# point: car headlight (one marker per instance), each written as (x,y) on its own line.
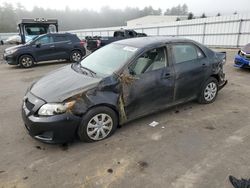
(8,52)
(51,109)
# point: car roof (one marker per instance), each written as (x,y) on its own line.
(61,34)
(57,34)
(142,42)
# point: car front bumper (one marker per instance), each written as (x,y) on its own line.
(51,129)
(10,59)
(241,62)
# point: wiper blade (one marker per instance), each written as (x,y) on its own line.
(92,72)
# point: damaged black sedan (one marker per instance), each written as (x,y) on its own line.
(120,82)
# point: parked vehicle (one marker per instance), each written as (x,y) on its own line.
(242,59)
(98,42)
(120,82)
(15,39)
(31,28)
(52,46)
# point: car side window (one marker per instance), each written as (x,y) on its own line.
(61,39)
(130,34)
(186,52)
(149,61)
(45,40)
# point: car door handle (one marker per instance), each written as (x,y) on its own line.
(166,76)
(52,46)
(204,65)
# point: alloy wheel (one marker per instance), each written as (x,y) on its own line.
(76,56)
(210,91)
(26,62)
(99,127)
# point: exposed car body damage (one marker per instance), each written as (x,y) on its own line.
(51,91)
(130,95)
(109,92)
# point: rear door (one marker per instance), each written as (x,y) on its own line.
(190,65)
(149,85)
(63,46)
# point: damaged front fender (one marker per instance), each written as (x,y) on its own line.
(107,93)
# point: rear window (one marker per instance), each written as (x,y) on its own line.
(35,30)
(74,38)
(119,34)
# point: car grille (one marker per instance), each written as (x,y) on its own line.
(29,105)
(238,63)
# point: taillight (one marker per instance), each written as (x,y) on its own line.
(82,42)
(98,43)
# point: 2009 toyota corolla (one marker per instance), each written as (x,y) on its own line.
(118,83)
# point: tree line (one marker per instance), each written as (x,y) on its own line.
(70,19)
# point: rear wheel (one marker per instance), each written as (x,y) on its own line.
(97,124)
(26,61)
(209,91)
(75,56)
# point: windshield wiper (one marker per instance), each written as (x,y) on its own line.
(92,72)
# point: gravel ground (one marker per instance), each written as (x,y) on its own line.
(194,146)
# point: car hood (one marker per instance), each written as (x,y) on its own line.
(16,47)
(246,49)
(62,84)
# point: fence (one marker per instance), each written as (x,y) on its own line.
(221,31)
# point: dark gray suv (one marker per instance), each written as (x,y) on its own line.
(51,46)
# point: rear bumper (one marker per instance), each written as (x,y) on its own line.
(221,85)
(241,62)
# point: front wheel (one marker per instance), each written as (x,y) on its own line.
(26,61)
(209,91)
(97,124)
(75,56)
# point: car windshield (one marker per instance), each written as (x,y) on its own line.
(108,59)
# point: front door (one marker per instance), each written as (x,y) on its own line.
(44,48)
(149,85)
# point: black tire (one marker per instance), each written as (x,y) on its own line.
(207,96)
(26,61)
(75,56)
(85,129)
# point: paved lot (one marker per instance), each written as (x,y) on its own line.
(194,146)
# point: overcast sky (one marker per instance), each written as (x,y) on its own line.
(195,6)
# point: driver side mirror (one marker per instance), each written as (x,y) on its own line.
(131,71)
(38,45)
